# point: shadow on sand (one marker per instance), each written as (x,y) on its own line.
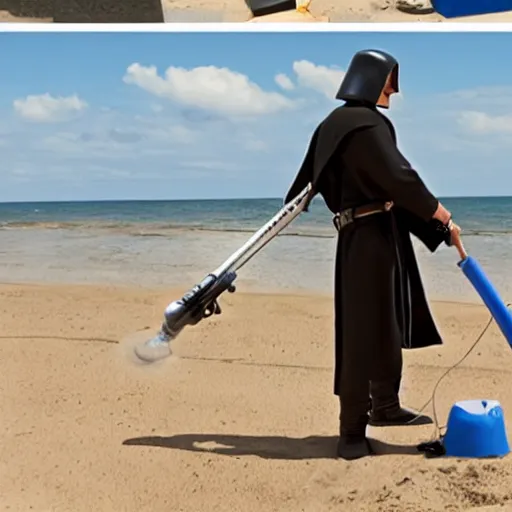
(62,338)
(108,11)
(266,447)
(87,11)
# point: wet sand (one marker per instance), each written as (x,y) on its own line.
(241,418)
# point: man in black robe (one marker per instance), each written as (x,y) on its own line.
(378,201)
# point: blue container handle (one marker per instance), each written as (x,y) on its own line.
(474,272)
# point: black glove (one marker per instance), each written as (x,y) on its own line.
(444,230)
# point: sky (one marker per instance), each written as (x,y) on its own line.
(98,116)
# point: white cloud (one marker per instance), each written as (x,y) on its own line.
(256,145)
(165,132)
(60,142)
(284,82)
(182,134)
(489,96)
(325,80)
(46,108)
(208,165)
(80,145)
(483,123)
(210,88)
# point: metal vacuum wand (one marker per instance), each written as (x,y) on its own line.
(198,303)
(202,300)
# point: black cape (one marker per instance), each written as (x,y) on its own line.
(380,303)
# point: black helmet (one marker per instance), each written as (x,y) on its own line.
(366,76)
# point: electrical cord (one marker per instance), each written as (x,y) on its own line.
(437,432)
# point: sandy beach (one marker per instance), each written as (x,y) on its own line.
(353,11)
(240,418)
(214,11)
(7,17)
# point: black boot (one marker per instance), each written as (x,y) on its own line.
(398,418)
(353,443)
(353,448)
(386,409)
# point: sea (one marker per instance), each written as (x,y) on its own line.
(174,244)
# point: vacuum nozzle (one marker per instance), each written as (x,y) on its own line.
(198,303)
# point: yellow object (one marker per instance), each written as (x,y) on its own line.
(302,5)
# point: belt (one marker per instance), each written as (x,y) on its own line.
(345,217)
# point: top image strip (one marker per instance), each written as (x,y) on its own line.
(254,11)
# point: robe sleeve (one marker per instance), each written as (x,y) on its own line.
(306,171)
(379,162)
(423,231)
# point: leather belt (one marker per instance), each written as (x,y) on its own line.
(345,217)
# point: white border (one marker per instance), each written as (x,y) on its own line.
(417,27)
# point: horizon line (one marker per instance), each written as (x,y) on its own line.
(47,201)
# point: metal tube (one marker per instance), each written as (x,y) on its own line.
(266,233)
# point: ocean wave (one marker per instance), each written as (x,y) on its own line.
(148,229)
(58,225)
(305,233)
(151,229)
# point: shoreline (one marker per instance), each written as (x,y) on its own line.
(300,266)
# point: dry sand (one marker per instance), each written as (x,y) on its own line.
(241,418)
(376,11)
(7,17)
